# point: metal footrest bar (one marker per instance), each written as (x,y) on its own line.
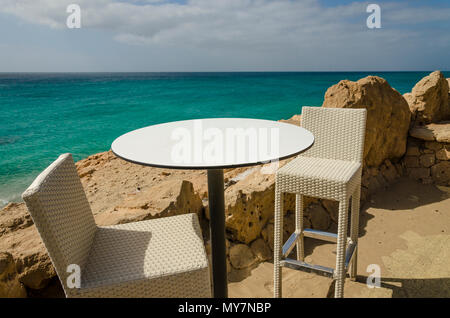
(320,235)
(306,267)
(290,243)
(315,234)
(349,253)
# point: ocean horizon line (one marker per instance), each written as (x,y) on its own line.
(206,72)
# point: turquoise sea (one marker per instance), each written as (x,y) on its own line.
(44,115)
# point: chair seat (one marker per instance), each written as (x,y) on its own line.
(156,258)
(319,177)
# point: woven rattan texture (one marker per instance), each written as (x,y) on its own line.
(338,132)
(330,169)
(59,208)
(156,258)
(149,251)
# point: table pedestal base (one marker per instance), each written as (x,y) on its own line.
(217,232)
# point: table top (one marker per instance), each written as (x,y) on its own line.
(215,143)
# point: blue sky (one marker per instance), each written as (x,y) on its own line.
(223,35)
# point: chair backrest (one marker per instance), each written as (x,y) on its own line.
(338,132)
(61,212)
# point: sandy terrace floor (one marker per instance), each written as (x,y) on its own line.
(405,230)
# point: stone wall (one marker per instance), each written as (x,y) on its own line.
(428,148)
(428,161)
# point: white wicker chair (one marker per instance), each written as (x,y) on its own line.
(156,258)
(330,169)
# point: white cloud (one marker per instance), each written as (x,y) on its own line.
(272,28)
(198,22)
(215,22)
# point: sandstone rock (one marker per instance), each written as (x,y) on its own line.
(418,173)
(332,208)
(412,162)
(382,181)
(427,180)
(364,194)
(208,247)
(250,205)
(34,267)
(400,168)
(267,234)
(448,82)
(374,185)
(428,100)
(444,153)
(427,160)
(110,183)
(288,225)
(241,256)
(435,146)
(412,150)
(295,120)
(389,171)
(440,173)
(168,198)
(388,115)
(13,217)
(229,267)
(261,250)
(365,180)
(320,219)
(10,287)
(433,132)
(422,132)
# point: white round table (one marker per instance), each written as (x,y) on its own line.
(213,144)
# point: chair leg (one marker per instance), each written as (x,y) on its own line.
(299,226)
(355,231)
(278,236)
(340,252)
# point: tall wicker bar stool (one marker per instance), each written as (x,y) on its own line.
(330,169)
